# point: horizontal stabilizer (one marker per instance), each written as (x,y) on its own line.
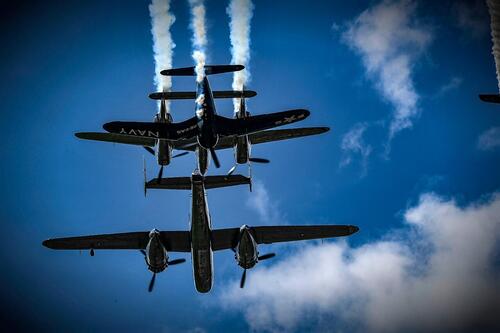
(192,94)
(184,183)
(490,98)
(209,70)
(116,138)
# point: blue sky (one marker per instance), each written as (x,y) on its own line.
(72,66)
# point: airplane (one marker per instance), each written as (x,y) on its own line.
(207,127)
(490,98)
(201,240)
(162,149)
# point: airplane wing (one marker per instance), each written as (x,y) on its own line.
(284,134)
(116,138)
(174,241)
(171,131)
(490,98)
(228,238)
(226,142)
(242,126)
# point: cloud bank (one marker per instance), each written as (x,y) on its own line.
(437,275)
(389,39)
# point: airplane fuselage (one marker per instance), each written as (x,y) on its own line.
(201,248)
(205,112)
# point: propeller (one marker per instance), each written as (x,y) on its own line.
(267,256)
(160,175)
(152,283)
(150,150)
(180,154)
(259,160)
(215,158)
(176,262)
(230,172)
(243,278)
(145,177)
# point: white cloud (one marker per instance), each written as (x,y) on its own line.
(389,39)
(260,201)
(438,274)
(454,83)
(489,139)
(353,143)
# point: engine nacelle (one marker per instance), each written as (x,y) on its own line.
(246,253)
(156,254)
(242,150)
(163,152)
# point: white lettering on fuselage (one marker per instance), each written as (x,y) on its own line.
(138,132)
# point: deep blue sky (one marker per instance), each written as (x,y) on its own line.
(70,66)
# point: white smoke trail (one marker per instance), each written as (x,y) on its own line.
(163,45)
(494,9)
(240,12)
(199,36)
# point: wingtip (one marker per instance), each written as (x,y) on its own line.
(353,229)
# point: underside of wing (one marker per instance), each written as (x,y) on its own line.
(242,126)
(275,234)
(224,142)
(168,131)
(176,241)
(285,134)
(128,240)
(116,138)
(223,239)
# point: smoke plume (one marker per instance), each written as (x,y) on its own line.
(240,12)
(199,36)
(163,45)
(494,9)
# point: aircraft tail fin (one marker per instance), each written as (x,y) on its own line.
(192,94)
(490,98)
(209,70)
(184,183)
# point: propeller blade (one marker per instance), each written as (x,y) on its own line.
(215,158)
(180,154)
(150,150)
(230,172)
(160,174)
(152,283)
(267,256)
(243,278)
(259,160)
(176,262)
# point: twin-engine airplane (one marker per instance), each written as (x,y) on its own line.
(206,131)
(201,240)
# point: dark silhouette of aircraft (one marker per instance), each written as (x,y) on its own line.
(201,240)
(207,127)
(207,131)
